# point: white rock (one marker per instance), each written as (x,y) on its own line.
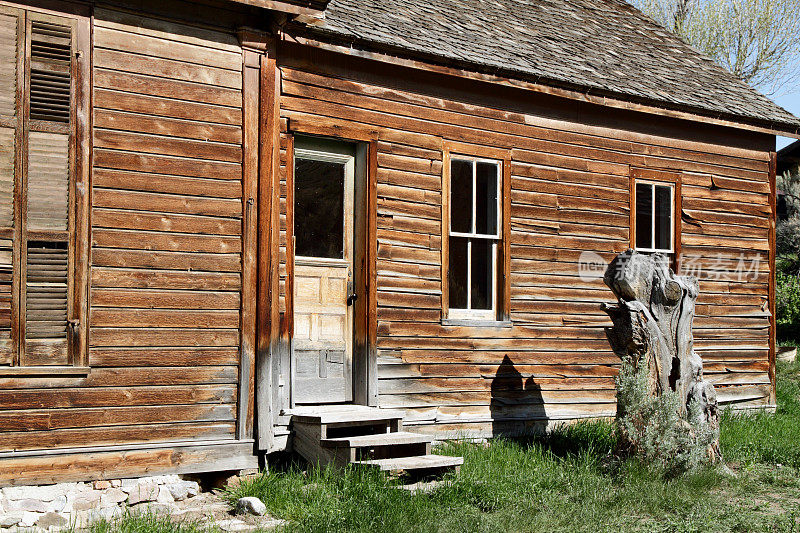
(129,484)
(11,519)
(46,493)
(234,524)
(184,489)
(113,496)
(194,488)
(169,478)
(142,493)
(57,505)
(29,518)
(84,518)
(116,482)
(178,491)
(164,495)
(83,501)
(159,480)
(251,505)
(28,504)
(53,520)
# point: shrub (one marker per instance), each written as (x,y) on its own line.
(652,427)
(787,298)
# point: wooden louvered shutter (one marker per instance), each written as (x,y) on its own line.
(11,41)
(46,293)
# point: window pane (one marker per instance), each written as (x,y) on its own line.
(457,273)
(319,209)
(663,217)
(461,196)
(486,199)
(644,214)
(482,286)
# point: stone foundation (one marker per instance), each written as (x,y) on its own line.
(77,504)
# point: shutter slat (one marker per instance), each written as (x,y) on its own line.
(46,303)
(48,181)
(6,275)
(8,65)
(51,57)
(7,177)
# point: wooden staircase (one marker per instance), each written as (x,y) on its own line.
(368,436)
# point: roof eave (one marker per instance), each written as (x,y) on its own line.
(407,58)
(314,8)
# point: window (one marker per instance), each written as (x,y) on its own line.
(654,224)
(474,237)
(319,204)
(39,217)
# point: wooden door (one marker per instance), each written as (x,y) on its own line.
(322,346)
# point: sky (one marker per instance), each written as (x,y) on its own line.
(791,103)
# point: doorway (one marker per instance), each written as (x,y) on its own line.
(325,176)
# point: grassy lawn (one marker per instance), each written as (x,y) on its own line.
(568,481)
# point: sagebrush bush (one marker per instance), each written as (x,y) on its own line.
(652,427)
(787,298)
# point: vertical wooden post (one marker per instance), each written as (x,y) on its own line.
(83,164)
(445,232)
(268,257)
(251,87)
(504,299)
(773,167)
(372,273)
(678,222)
(287,324)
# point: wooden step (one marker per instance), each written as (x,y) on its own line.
(418,462)
(398,438)
(342,414)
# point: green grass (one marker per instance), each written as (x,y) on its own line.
(510,486)
(569,480)
(132,522)
(763,437)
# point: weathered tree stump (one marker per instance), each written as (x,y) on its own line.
(653,326)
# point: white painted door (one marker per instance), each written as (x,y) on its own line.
(323,273)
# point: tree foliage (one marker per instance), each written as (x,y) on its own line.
(787,244)
(756,40)
(787,235)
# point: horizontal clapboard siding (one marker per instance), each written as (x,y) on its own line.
(166,248)
(166,222)
(569,194)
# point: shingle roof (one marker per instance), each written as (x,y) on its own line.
(603,45)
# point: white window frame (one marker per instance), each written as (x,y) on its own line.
(652,248)
(496,238)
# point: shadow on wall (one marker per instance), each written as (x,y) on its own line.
(516,407)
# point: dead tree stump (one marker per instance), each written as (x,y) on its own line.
(653,326)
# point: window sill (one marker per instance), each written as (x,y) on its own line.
(44,371)
(476,322)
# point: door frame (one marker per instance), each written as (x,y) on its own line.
(364,344)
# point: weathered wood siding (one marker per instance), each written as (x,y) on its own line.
(166,246)
(570,194)
(166,219)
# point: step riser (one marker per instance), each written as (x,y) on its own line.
(333,431)
(390,451)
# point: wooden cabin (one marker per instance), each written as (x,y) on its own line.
(215,214)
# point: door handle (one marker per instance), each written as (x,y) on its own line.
(352,297)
